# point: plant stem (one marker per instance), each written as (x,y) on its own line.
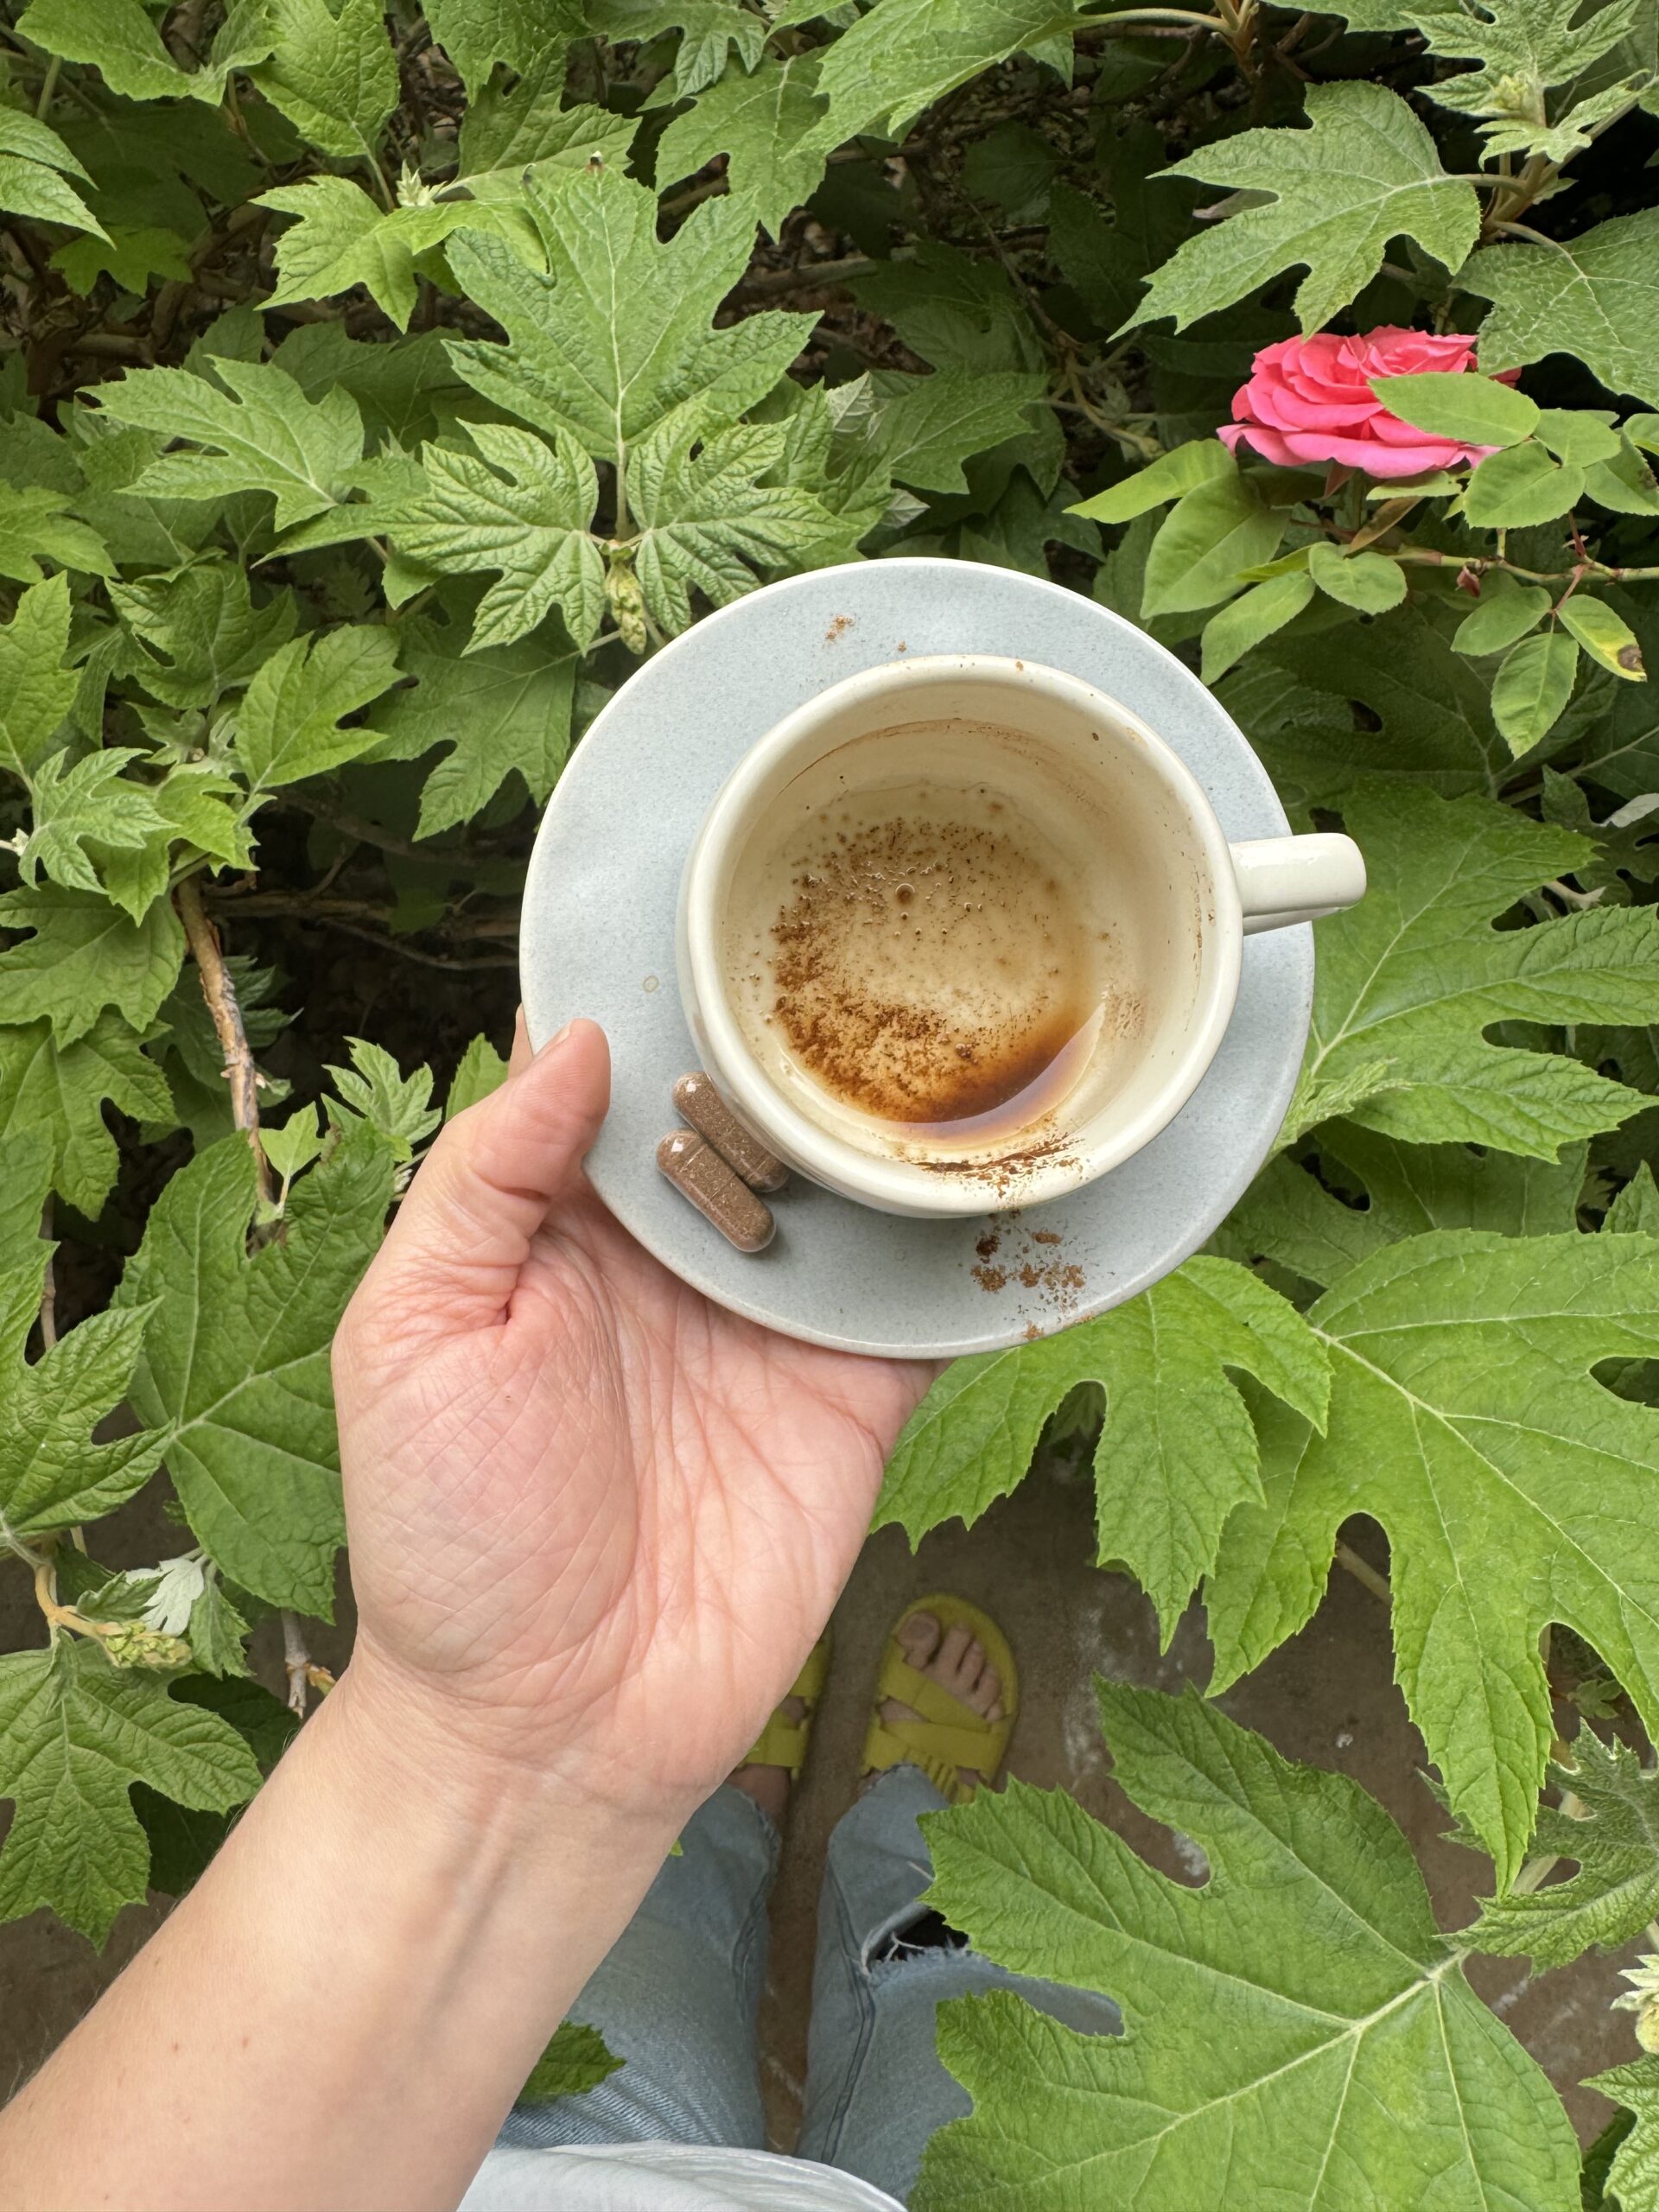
(219,992)
(1362,1571)
(296,1662)
(48,1286)
(49,85)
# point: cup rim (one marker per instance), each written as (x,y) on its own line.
(899,1185)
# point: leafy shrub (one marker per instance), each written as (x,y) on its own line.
(377,389)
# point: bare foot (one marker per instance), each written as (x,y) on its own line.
(769,1785)
(957,1660)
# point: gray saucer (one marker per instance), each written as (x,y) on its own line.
(598,939)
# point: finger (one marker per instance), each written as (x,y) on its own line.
(521,1055)
(464,1230)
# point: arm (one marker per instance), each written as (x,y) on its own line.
(596,1526)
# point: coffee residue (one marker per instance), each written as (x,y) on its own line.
(1059,1283)
(927,971)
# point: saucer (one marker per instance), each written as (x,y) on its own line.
(598,939)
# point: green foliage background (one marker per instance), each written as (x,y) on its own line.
(376,389)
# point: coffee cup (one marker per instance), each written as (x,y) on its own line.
(963,933)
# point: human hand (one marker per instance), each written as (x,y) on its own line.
(596,1521)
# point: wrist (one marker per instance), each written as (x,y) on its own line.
(404,1752)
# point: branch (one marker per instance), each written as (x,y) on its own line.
(219,992)
(1362,1571)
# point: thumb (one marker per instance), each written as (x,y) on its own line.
(463,1232)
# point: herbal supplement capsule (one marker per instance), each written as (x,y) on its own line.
(711,1116)
(719,1193)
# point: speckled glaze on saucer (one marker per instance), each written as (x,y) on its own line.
(598,939)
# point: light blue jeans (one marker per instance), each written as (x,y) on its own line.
(677,1997)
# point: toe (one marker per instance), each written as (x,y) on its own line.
(919,1638)
(951,1663)
(989,1696)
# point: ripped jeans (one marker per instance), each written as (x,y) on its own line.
(679,1994)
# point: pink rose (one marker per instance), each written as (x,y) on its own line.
(1308,399)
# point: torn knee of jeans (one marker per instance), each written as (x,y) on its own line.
(920,1936)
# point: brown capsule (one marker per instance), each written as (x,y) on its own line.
(698,1172)
(711,1118)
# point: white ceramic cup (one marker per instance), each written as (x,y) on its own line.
(1198,898)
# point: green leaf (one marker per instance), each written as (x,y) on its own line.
(1414,974)
(294,1144)
(1364,172)
(927,427)
(332,71)
(89,800)
(713,32)
(618,335)
(344,236)
(1625,483)
(1520,485)
(85,955)
(1533,686)
(375,1090)
(482,1070)
(31,155)
(234,1376)
(503,710)
(1178,1451)
(1209,537)
(1474,410)
(60,1089)
(575,2061)
(1180,470)
(1279,2019)
(262,435)
(1246,620)
(55,1475)
(1613,1835)
(123,44)
(132,254)
(37,691)
(1578,435)
(205,634)
(520,505)
(1596,297)
(25,1180)
(1368,582)
(1464,1418)
(1506,610)
(763,121)
(1605,636)
(76,1733)
(706,521)
(522,35)
(904,54)
(528,128)
(1633,2177)
(289,725)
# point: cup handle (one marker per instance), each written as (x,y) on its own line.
(1284,879)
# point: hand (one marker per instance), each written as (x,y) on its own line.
(596,1523)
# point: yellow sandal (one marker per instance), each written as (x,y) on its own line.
(949,1735)
(783,1741)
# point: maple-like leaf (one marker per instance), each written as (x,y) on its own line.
(522,506)
(60,1089)
(82,955)
(1612,1831)
(1595,296)
(927,427)
(76,1734)
(1178,1451)
(86,801)
(522,35)
(763,120)
(617,336)
(1465,1418)
(1632,2175)
(35,524)
(904,54)
(375,1090)
(706,521)
(235,1380)
(121,40)
(201,633)
(261,435)
(1296,2032)
(331,70)
(1330,197)
(1411,979)
(502,710)
(289,724)
(713,32)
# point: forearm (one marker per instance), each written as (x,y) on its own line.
(340,2014)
